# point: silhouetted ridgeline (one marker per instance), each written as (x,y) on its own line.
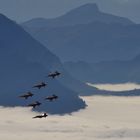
(87,34)
(82,15)
(106,72)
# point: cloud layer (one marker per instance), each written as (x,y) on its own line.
(112,118)
(116,87)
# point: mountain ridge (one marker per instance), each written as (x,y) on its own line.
(81,15)
(101,41)
(80,32)
(117,71)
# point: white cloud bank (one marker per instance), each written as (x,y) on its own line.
(106,118)
(116,87)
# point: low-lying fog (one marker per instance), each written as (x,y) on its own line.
(106,118)
(116,87)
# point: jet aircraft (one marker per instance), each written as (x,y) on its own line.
(44,115)
(55,74)
(34,104)
(41,85)
(51,98)
(26,96)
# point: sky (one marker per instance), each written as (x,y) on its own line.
(106,118)
(22,10)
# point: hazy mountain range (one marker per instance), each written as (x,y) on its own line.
(100,47)
(106,72)
(87,34)
(82,15)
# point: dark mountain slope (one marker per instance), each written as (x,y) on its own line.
(25,62)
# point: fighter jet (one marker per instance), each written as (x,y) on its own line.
(51,98)
(44,115)
(34,104)
(39,86)
(55,74)
(26,96)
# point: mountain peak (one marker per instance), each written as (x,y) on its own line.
(84,14)
(86,8)
(90,6)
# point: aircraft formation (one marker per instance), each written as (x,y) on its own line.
(39,86)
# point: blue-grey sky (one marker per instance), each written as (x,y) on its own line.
(22,10)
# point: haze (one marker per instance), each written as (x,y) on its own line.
(22,10)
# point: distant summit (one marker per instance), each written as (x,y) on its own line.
(85,9)
(89,7)
(82,15)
